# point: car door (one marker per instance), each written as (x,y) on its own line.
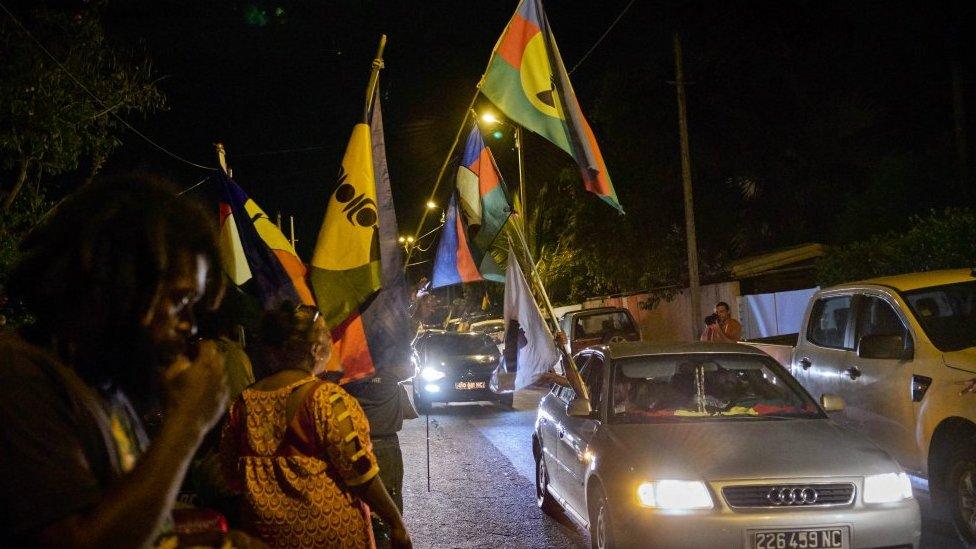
(579,433)
(878,391)
(820,362)
(557,419)
(551,412)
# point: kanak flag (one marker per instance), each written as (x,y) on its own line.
(526,79)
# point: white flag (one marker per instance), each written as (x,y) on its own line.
(536,350)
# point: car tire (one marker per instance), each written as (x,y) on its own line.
(602,535)
(961,489)
(421,404)
(543,499)
(506,399)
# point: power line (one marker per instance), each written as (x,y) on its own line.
(96,98)
(191,187)
(587,54)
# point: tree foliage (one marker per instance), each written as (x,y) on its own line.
(48,123)
(943,239)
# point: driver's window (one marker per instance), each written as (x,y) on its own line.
(567,394)
(876,317)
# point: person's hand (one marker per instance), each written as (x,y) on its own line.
(196,392)
(549,378)
(400,538)
(561,339)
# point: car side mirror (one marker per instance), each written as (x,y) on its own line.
(832,403)
(881,346)
(579,407)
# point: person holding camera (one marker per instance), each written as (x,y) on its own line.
(720,326)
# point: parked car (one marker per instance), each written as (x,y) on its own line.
(597,326)
(712,445)
(900,350)
(454,367)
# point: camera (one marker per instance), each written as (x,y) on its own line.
(711,319)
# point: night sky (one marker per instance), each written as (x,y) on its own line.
(856,82)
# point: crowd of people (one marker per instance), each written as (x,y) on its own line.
(112,402)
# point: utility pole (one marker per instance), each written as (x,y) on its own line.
(690,239)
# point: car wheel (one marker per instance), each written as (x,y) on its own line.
(601,526)
(543,498)
(962,487)
(421,404)
(506,400)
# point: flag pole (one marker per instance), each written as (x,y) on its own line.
(374,77)
(572,371)
(440,174)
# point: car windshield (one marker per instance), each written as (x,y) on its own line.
(461,345)
(946,313)
(603,323)
(662,388)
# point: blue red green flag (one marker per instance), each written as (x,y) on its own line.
(455,262)
(482,192)
(526,79)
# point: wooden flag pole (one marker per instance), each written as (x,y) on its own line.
(374,77)
(572,371)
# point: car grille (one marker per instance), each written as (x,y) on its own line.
(789,495)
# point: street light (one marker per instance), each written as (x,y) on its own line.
(491,119)
(431,205)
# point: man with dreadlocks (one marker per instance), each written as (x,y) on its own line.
(111,278)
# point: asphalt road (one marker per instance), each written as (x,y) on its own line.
(482,483)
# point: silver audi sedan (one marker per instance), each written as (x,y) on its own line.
(712,445)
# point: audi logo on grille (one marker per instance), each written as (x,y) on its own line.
(788,495)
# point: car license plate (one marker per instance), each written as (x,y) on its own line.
(835,537)
(466,385)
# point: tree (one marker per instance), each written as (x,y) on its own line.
(48,123)
(940,240)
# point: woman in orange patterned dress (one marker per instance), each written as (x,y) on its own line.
(298,449)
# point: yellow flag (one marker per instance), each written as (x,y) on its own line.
(346,262)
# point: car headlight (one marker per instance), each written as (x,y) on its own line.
(674,495)
(887,488)
(430,374)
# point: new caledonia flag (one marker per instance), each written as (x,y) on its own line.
(526,79)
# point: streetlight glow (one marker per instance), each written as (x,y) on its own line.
(431,204)
(401,240)
(410,240)
(489,118)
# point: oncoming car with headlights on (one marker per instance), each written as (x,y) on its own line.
(454,367)
(712,445)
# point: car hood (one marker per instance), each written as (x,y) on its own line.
(748,449)
(964,359)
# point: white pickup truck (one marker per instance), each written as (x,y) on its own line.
(901,351)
